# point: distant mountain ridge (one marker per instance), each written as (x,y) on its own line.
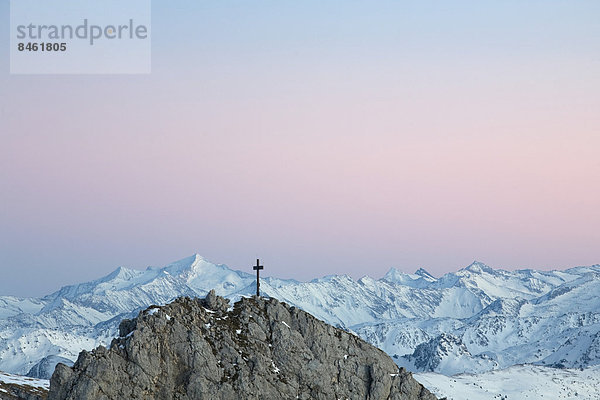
(501,318)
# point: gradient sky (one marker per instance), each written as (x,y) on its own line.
(346,137)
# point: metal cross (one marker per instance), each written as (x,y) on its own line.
(257,268)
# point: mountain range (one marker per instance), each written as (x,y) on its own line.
(474,320)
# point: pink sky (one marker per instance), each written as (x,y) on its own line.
(328,156)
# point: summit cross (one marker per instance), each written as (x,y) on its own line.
(257,268)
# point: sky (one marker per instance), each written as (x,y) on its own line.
(338,137)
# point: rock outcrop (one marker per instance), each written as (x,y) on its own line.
(259,349)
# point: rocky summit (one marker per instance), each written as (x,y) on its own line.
(257,349)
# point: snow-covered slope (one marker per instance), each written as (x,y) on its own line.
(45,368)
(474,320)
(529,382)
(17,387)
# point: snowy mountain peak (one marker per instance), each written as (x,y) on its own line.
(420,279)
(392,275)
(185,264)
(478,267)
(332,278)
(121,273)
(422,272)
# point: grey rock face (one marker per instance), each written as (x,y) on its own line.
(260,349)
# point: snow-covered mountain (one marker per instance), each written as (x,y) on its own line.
(474,320)
(531,382)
